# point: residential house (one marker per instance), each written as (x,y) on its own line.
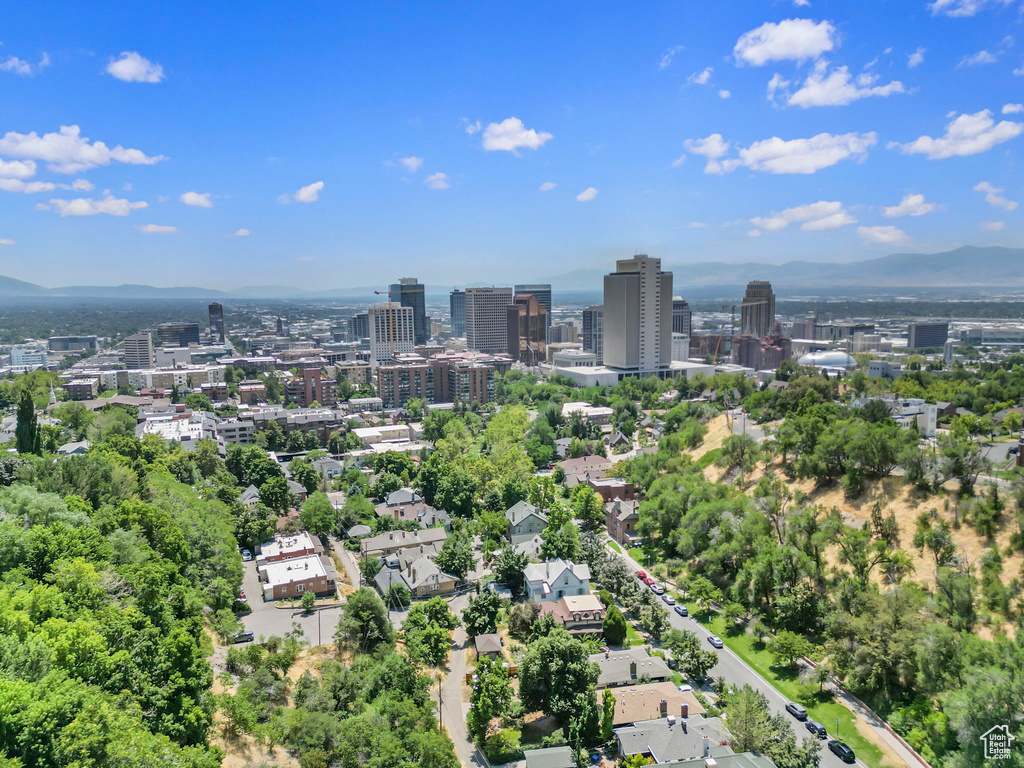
(76,448)
(611,488)
(524,519)
(297,491)
(414,569)
(552,580)
(629,666)
(250,497)
(489,645)
(651,701)
(391,541)
(616,439)
(584,469)
(285,579)
(286,547)
(529,544)
(671,737)
(722,757)
(579,614)
(328,468)
(550,757)
(620,520)
(405,504)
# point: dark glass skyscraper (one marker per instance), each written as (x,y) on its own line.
(217,320)
(682,317)
(458,311)
(410,293)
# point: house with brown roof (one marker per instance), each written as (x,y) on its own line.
(635,703)
(389,542)
(579,614)
(628,667)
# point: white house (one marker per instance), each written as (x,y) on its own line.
(524,519)
(553,580)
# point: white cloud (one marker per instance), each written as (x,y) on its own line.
(28,187)
(916,59)
(243,232)
(22,67)
(133,68)
(960,8)
(883,235)
(68,151)
(993,196)
(17,169)
(587,195)
(472,128)
(667,56)
(818,216)
(679,160)
(437,181)
(754,233)
(775,155)
(411,164)
(308,194)
(801,3)
(1012,109)
(713,147)
(547,186)
(724,94)
(824,88)
(910,205)
(965,135)
(1019,72)
(87,206)
(157,229)
(977,59)
(6,241)
(197,199)
(993,226)
(788,40)
(511,135)
(81,185)
(702,77)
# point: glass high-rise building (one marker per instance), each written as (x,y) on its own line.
(177,334)
(409,292)
(682,317)
(217,320)
(527,329)
(457,301)
(593,330)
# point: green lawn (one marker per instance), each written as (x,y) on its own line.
(637,554)
(615,546)
(787,684)
(632,636)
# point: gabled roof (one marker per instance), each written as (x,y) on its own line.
(552,570)
(402,496)
(615,667)
(423,571)
(551,757)
(666,740)
(520,511)
(252,492)
(489,643)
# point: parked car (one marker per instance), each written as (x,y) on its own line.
(669,600)
(817,729)
(241,594)
(715,641)
(648,580)
(243,637)
(657,589)
(796,711)
(246,555)
(681,610)
(685,688)
(842,751)
(642,575)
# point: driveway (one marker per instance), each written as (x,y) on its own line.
(744,425)
(267,621)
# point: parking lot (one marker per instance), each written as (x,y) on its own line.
(266,620)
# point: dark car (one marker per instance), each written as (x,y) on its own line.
(796,711)
(817,729)
(681,610)
(243,637)
(842,751)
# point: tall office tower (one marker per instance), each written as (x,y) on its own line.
(177,334)
(757,313)
(217,320)
(543,293)
(927,335)
(458,311)
(593,330)
(138,351)
(527,329)
(359,326)
(487,319)
(280,326)
(638,315)
(391,332)
(409,292)
(805,329)
(682,317)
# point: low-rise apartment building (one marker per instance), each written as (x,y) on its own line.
(284,579)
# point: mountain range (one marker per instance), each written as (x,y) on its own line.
(965,267)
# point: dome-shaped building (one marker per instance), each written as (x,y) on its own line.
(829,358)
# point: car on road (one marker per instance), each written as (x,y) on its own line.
(816,728)
(657,589)
(685,688)
(1013,449)
(669,600)
(243,637)
(241,594)
(715,641)
(842,751)
(796,711)
(246,555)
(648,580)
(642,575)
(681,610)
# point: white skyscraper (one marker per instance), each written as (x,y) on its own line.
(638,315)
(487,319)
(391,331)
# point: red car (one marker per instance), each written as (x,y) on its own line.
(641,575)
(649,580)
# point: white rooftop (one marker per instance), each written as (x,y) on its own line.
(296,569)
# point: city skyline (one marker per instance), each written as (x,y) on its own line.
(146,151)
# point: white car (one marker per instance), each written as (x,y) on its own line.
(685,688)
(715,641)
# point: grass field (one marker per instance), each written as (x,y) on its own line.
(615,546)
(787,683)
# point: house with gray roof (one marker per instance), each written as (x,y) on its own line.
(672,737)
(250,497)
(723,757)
(552,757)
(390,542)
(552,580)
(524,518)
(629,666)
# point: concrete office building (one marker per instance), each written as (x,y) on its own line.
(682,316)
(593,331)
(927,335)
(177,334)
(72,343)
(409,292)
(995,336)
(392,331)
(216,310)
(359,326)
(543,293)
(457,302)
(638,315)
(138,351)
(24,357)
(487,319)
(757,312)
(527,329)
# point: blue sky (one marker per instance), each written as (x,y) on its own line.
(357,143)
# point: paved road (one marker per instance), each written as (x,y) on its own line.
(267,620)
(998,453)
(736,671)
(744,425)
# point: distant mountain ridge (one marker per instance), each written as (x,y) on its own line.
(965,267)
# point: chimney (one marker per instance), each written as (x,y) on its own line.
(632,670)
(684,710)
(683,721)
(707,747)
(663,708)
